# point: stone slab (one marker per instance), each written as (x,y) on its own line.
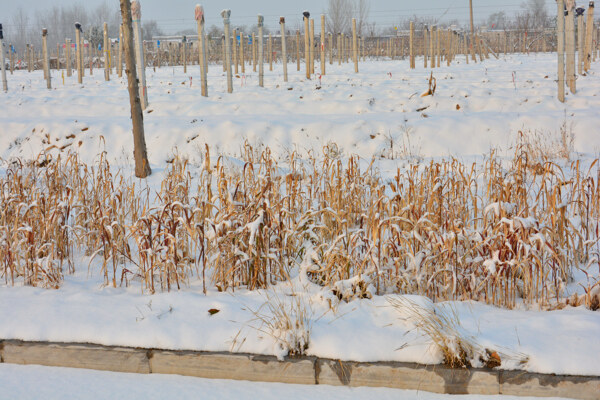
(518,383)
(233,366)
(76,356)
(438,379)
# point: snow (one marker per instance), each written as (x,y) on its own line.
(561,342)
(377,113)
(49,383)
(372,113)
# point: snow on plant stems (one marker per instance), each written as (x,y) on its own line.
(501,232)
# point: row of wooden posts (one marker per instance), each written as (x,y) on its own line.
(236,49)
(577,46)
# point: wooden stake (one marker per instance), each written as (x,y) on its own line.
(330,48)
(339,46)
(226,15)
(312,46)
(68,57)
(589,38)
(78,53)
(235,55)
(298,49)
(261,66)
(560,18)
(283,49)
(106,54)
(253,52)
(354,46)
(580,41)
(142,166)
(46,57)
(472,31)
(306,15)
(3,66)
(136,15)
(323,45)
(570,44)
(184,53)
(242,60)
(202,59)
(411,45)
(425,43)
(270,49)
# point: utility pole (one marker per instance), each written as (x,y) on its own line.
(142,167)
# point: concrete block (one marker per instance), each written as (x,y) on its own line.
(233,366)
(76,356)
(438,379)
(519,383)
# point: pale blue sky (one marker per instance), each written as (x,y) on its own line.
(175,15)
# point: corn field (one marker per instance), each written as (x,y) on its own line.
(499,231)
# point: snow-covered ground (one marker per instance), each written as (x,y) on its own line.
(476,108)
(37,382)
(377,113)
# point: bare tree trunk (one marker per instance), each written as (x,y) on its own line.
(142,167)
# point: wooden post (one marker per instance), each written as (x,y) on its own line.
(570,44)
(312,46)
(46,57)
(12,57)
(136,15)
(472,32)
(580,40)
(242,60)
(283,49)
(120,59)
(298,50)
(78,53)
(184,53)
(226,15)
(438,50)
(354,46)
(330,48)
(306,15)
(270,50)
(425,43)
(253,49)
(431,46)
(235,53)
(560,17)
(202,59)
(589,38)
(142,166)
(261,66)
(323,45)
(105,50)
(3,67)
(68,57)
(339,48)
(411,45)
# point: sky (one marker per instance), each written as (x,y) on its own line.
(176,15)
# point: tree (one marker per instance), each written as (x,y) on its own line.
(150,29)
(497,20)
(339,15)
(142,166)
(538,14)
